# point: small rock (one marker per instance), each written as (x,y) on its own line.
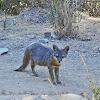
(3,50)
(24,15)
(27,98)
(86,38)
(44,40)
(10,53)
(47,34)
(28,76)
(99,49)
(71,97)
(3,38)
(33,37)
(50,35)
(16,76)
(1,92)
(53,35)
(98,30)
(45,97)
(92,30)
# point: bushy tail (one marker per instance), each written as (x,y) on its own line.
(26,60)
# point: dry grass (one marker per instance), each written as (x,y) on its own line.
(93,85)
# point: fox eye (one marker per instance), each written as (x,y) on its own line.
(56,56)
(63,56)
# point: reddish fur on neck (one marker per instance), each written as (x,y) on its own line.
(54,62)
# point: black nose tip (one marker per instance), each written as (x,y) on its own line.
(59,61)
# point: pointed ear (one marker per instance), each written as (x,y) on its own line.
(55,48)
(66,49)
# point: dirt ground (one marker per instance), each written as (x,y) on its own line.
(20,32)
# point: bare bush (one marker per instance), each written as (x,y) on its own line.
(92,7)
(64,16)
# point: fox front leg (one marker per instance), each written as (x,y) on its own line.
(51,75)
(57,75)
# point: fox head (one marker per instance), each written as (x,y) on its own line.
(60,54)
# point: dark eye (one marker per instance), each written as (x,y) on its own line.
(56,56)
(62,56)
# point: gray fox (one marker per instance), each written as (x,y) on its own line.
(43,56)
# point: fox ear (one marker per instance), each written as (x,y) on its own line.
(66,49)
(55,48)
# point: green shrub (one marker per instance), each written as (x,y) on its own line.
(13,7)
(92,7)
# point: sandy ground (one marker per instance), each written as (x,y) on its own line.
(18,35)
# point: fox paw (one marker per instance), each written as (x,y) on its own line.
(54,83)
(59,82)
(36,75)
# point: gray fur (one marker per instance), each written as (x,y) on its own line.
(40,53)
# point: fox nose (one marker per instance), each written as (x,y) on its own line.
(59,61)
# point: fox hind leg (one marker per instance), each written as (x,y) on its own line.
(33,65)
